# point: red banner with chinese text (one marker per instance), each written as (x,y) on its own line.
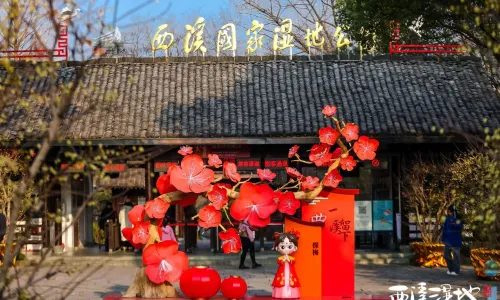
(338,241)
(309,256)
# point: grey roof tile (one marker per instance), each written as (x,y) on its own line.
(267,99)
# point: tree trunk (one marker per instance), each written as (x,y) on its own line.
(143,288)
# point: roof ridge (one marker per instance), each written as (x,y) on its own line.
(338,62)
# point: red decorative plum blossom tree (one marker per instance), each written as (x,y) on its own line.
(340,146)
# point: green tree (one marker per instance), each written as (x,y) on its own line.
(478,177)
(474,24)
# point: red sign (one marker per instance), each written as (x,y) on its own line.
(394,47)
(162,166)
(252,163)
(115,168)
(276,163)
(337,214)
(60,51)
(78,168)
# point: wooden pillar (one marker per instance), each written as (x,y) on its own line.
(149,180)
(46,225)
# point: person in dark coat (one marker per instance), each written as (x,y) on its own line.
(190,231)
(452,240)
(247,234)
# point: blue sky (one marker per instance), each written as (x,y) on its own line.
(152,8)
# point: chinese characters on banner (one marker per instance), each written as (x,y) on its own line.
(194,38)
(283,38)
(315,248)
(248,163)
(318,218)
(162,40)
(226,39)
(254,37)
(313,38)
(443,292)
(341,227)
(272,163)
(336,216)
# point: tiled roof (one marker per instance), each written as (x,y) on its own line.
(132,178)
(275,99)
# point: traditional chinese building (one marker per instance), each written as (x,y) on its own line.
(252,112)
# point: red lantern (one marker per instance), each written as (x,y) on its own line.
(200,282)
(234,287)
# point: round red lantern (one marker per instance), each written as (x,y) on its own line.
(200,282)
(234,287)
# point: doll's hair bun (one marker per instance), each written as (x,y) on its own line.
(295,232)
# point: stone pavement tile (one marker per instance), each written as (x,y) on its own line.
(95,283)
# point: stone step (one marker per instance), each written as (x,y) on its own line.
(209,259)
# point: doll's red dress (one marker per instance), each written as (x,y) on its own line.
(286,282)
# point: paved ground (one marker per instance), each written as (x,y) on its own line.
(95,282)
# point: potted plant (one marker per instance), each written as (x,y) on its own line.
(479,179)
(428,192)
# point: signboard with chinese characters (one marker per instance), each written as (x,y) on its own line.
(114,168)
(283,38)
(248,163)
(162,166)
(80,167)
(383,215)
(363,215)
(275,163)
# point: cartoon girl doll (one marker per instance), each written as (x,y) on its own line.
(286,283)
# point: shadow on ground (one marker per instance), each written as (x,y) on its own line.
(114,289)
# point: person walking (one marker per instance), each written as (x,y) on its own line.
(125,222)
(167,232)
(247,235)
(452,240)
